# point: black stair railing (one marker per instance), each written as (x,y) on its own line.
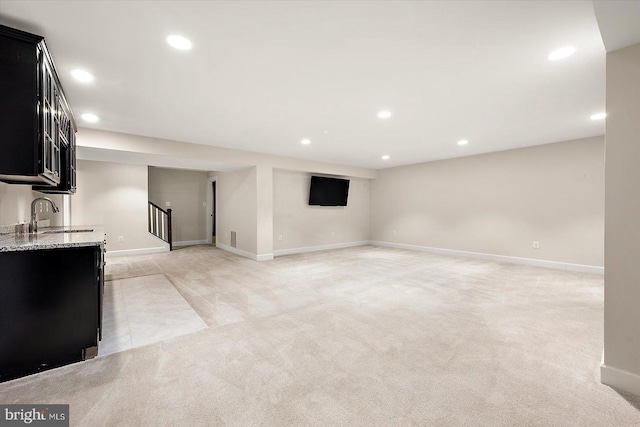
(160,223)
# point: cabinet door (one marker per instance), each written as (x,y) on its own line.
(72,151)
(100,264)
(50,163)
(48,308)
(67,151)
(57,114)
(68,135)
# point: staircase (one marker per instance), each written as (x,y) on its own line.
(160,223)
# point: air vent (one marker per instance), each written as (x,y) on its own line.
(233,239)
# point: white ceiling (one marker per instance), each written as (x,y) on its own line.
(619,22)
(262,75)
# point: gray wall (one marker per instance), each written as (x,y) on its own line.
(237,209)
(301,225)
(622,244)
(15,205)
(264,211)
(114,195)
(187,193)
(499,203)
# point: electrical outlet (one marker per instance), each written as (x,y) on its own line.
(226,234)
(395,233)
(167,204)
(120,238)
(280,237)
(536,245)
(204,204)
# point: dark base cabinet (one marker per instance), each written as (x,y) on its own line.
(50,308)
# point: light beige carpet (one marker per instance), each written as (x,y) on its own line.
(361,336)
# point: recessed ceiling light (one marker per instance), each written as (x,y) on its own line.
(82,75)
(561,53)
(386,157)
(463,142)
(598,116)
(179,42)
(305,141)
(89,117)
(384,114)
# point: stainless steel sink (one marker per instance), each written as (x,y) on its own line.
(83,230)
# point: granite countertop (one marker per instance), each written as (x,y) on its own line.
(53,238)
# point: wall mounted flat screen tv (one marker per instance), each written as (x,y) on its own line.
(328,191)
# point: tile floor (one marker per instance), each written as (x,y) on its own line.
(144,310)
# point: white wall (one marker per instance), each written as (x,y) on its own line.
(236,209)
(499,203)
(496,203)
(304,226)
(187,193)
(622,245)
(115,196)
(245,197)
(15,205)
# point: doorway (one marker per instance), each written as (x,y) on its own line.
(213,213)
(211,216)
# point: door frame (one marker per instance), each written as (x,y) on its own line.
(210,182)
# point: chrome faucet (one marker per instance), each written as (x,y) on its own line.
(33,225)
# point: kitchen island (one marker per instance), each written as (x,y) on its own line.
(51,289)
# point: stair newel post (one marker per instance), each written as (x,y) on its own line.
(169,231)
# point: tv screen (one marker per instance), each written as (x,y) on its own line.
(328,191)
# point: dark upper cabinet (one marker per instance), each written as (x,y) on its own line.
(67,137)
(37,130)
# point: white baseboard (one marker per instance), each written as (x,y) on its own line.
(292,251)
(128,252)
(190,242)
(264,257)
(500,258)
(619,379)
(260,257)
